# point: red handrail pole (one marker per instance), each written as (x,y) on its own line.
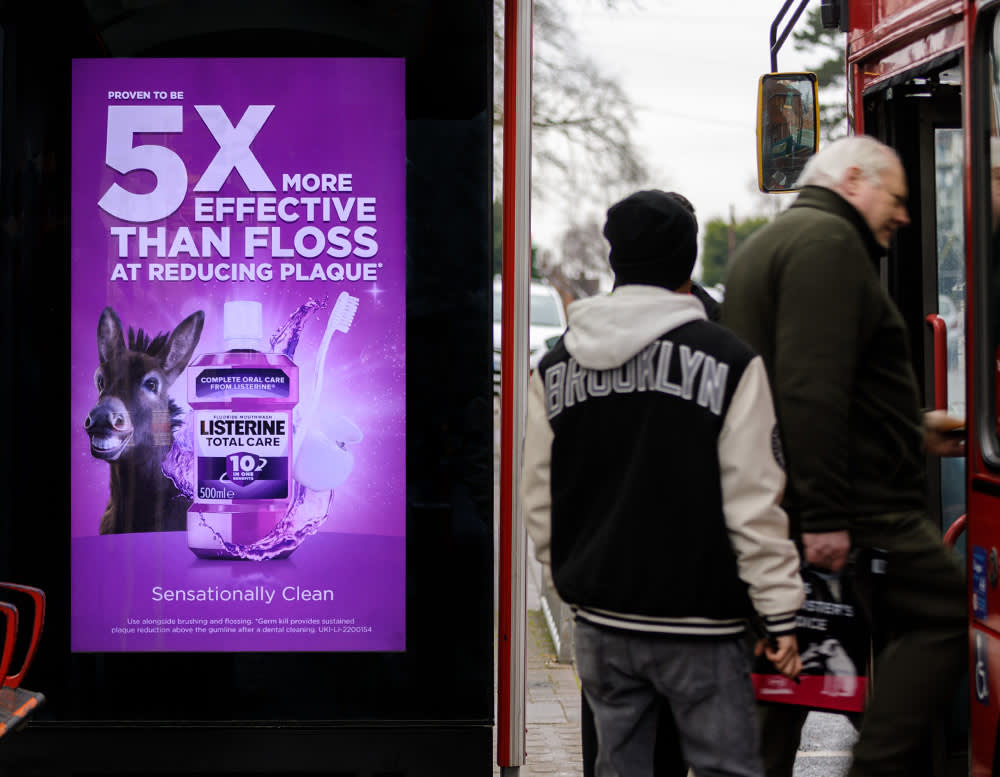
(515,276)
(955,530)
(940,340)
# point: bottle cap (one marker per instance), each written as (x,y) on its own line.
(242,325)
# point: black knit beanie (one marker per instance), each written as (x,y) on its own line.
(653,240)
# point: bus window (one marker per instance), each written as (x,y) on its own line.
(949,217)
(950,267)
(993,265)
(994,249)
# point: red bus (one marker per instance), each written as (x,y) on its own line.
(924,77)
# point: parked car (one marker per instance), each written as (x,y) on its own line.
(547,321)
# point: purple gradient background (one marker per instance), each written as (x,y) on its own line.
(330,116)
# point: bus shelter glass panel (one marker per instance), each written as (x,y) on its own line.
(286,211)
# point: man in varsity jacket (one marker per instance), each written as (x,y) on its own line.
(652,484)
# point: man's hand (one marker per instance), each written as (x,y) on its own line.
(827,550)
(785,657)
(944,435)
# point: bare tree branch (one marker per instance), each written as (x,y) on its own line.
(582,120)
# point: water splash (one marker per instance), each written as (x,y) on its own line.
(307,512)
(286,339)
(308,509)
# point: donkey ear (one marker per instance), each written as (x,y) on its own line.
(110,338)
(181,344)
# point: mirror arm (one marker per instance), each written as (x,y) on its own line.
(777,43)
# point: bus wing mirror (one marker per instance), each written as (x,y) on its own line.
(787,128)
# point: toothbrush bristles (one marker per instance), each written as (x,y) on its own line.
(344,311)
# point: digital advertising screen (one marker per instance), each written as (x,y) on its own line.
(238,355)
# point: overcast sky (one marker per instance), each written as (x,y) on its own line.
(691,68)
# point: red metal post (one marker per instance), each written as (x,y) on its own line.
(513,379)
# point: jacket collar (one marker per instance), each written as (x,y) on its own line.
(828,200)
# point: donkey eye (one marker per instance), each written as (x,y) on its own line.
(151,384)
(99,381)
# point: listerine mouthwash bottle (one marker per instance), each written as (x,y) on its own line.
(242,402)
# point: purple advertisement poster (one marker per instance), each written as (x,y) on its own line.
(238,355)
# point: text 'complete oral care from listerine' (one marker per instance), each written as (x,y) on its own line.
(245,460)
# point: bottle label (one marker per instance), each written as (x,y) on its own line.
(242,455)
(242,382)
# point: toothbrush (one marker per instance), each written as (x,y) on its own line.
(341,318)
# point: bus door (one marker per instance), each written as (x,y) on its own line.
(919,113)
(984,417)
(920,116)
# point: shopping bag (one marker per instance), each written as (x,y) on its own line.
(833,629)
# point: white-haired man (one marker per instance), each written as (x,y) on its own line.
(804,291)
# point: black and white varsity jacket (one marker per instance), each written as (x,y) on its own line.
(652,479)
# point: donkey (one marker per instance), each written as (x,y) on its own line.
(132,425)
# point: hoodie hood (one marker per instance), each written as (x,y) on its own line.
(605,332)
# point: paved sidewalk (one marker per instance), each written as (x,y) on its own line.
(552,702)
(552,690)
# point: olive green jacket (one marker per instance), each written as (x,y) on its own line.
(804,292)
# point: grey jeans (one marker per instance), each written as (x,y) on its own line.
(627,676)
